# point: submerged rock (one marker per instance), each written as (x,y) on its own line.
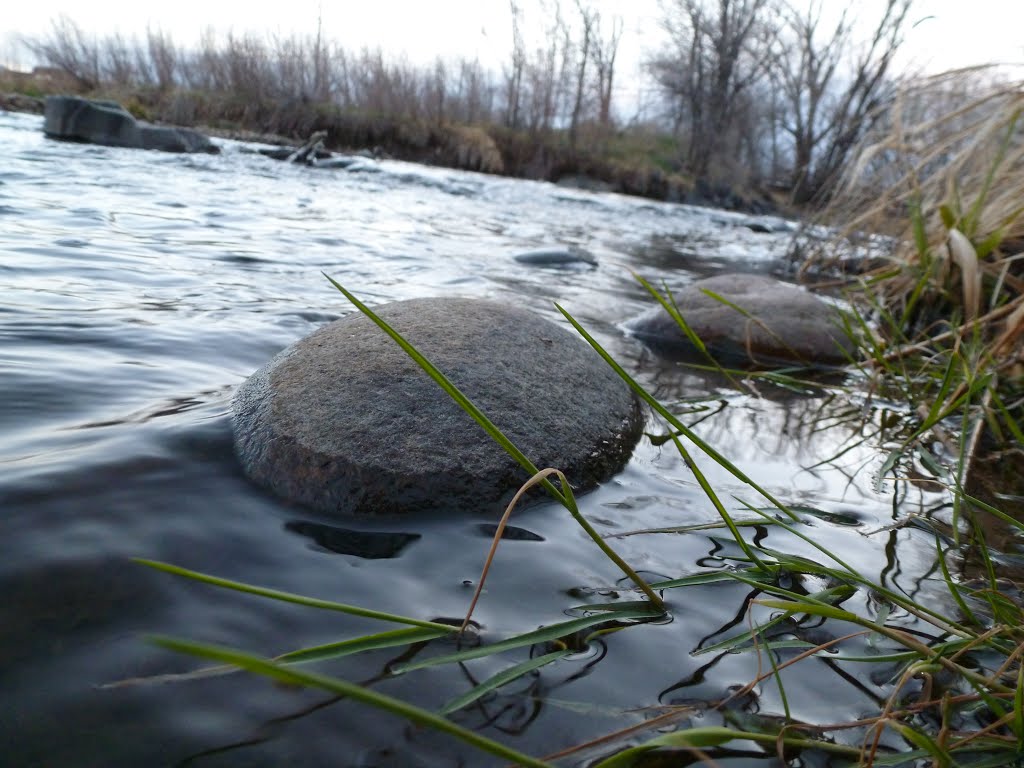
(345,422)
(769,321)
(557,257)
(108,123)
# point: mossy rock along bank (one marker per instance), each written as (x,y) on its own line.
(748,318)
(345,422)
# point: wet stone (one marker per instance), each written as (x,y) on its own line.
(107,123)
(761,320)
(557,257)
(345,422)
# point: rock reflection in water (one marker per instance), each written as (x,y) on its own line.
(511,532)
(369,545)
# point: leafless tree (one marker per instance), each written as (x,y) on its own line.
(162,58)
(605,52)
(831,95)
(321,60)
(69,49)
(118,61)
(589,19)
(860,103)
(436,91)
(514,77)
(718,51)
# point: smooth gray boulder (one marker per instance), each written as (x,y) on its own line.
(71,118)
(345,422)
(769,322)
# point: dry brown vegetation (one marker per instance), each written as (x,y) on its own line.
(943,174)
(751,94)
(545,116)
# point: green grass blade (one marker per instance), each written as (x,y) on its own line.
(288,597)
(754,576)
(448,386)
(391,639)
(397,707)
(777,676)
(715,736)
(921,740)
(1008,419)
(673,421)
(750,317)
(1018,709)
(739,642)
(717,503)
(940,397)
(564,495)
(918,227)
(887,466)
(1008,519)
(502,678)
(951,585)
(668,303)
(802,536)
(694,528)
(974,215)
(569,502)
(546,634)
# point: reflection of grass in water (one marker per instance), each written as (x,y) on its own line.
(958,666)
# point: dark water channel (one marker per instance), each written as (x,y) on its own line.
(140,289)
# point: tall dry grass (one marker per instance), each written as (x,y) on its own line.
(943,178)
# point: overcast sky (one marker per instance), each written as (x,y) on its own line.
(947,34)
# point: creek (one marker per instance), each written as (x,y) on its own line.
(140,289)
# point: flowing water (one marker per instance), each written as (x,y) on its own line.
(141,288)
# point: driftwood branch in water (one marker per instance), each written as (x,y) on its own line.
(307,153)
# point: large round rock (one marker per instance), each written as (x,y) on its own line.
(748,317)
(345,422)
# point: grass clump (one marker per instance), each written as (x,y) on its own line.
(943,297)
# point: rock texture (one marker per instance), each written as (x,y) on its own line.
(345,422)
(105,122)
(779,323)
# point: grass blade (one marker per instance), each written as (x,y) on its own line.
(392,639)
(673,421)
(546,634)
(288,597)
(502,678)
(448,386)
(397,707)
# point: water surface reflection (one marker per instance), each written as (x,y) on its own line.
(141,290)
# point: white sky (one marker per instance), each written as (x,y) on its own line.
(949,33)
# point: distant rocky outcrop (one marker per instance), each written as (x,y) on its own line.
(72,118)
(750,318)
(345,422)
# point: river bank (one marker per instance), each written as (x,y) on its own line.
(634,162)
